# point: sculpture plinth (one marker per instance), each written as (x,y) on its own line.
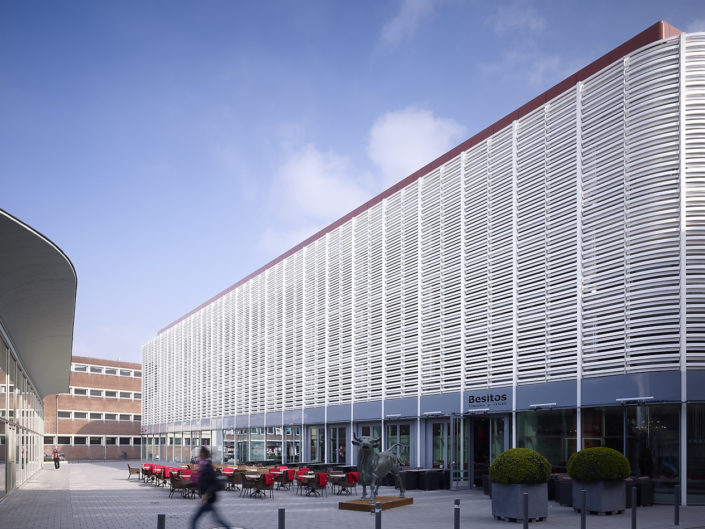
(387,502)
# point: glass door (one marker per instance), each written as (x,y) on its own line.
(439,444)
(336,448)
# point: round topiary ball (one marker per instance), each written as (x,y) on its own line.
(520,465)
(598,464)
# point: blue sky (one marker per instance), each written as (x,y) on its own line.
(171,148)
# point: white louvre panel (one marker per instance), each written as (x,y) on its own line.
(476,271)
(310,324)
(695,184)
(376,278)
(346,312)
(361,314)
(499,258)
(242,361)
(450,298)
(546,260)
(630,215)
(331,373)
(652,201)
(275,338)
(320,323)
(431,356)
(393,292)
(410,290)
(294,340)
(229,355)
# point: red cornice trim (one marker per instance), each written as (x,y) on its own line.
(659,31)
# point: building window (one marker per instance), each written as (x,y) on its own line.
(111,394)
(124,417)
(80,391)
(110,417)
(137,418)
(125,373)
(96,440)
(95,369)
(79,440)
(124,441)
(49,440)
(96,416)
(138,395)
(109,371)
(64,414)
(80,369)
(96,393)
(125,394)
(64,440)
(136,441)
(111,440)
(80,415)
(138,374)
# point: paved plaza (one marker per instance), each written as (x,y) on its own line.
(98,495)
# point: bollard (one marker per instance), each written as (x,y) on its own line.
(378,515)
(634,507)
(456,509)
(161,521)
(583,509)
(676,503)
(525,508)
(282,521)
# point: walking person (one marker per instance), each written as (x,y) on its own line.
(207,486)
(57,457)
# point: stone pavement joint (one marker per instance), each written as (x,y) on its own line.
(99,495)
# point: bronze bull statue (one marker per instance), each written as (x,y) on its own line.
(373,466)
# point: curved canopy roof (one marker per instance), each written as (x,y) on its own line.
(37,303)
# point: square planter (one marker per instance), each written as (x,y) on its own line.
(507,501)
(602,496)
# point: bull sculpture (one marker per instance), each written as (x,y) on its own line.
(373,466)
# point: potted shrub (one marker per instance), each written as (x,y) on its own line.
(601,472)
(513,473)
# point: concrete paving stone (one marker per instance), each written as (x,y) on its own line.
(99,495)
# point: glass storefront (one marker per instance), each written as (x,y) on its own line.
(553,433)
(317,437)
(696,454)
(274,443)
(21,424)
(337,445)
(292,438)
(400,434)
(439,442)
(647,435)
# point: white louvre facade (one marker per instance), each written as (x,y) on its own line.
(558,261)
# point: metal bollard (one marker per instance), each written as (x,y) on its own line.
(161,521)
(676,504)
(456,510)
(583,509)
(378,515)
(633,507)
(282,521)
(525,509)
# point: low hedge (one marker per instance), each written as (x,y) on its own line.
(520,466)
(598,464)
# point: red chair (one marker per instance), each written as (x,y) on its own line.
(318,484)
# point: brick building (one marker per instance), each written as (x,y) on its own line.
(100,416)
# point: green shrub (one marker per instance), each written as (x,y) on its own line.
(598,464)
(520,465)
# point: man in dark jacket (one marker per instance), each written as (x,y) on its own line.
(207,486)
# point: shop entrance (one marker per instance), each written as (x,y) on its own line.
(488,437)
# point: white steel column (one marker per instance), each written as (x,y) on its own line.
(515,232)
(352,350)
(579,264)
(326,341)
(384,314)
(419,312)
(462,319)
(683,277)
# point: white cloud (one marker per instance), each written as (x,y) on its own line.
(316,185)
(275,242)
(406,21)
(518,16)
(696,26)
(403,141)
(530,65)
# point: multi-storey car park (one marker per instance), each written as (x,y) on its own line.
(99,417)
(539,285)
